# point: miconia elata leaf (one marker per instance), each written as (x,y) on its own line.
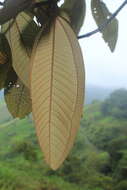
(57,90)
(5,59)
(17,96)
(11,8)
(76,10)
(5,51)
(101,14)
(21,33)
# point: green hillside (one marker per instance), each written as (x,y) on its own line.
(96,93)
(98,160)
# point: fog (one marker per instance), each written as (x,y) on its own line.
(104,68)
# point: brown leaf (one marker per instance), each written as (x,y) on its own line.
(5,60)
(21,33)
(57,91)
(17,96)
(11,9)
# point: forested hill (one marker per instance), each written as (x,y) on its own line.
(98,160)
(94,92)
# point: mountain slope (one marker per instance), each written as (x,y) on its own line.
(96,93)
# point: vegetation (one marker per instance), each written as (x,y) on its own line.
(32,30)
(98,160)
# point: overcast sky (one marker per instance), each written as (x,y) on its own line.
(104,68)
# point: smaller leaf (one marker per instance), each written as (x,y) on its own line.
(12,8)
(28,34)
(21,36)
(5,50)
(3,75)
(5,60)
(76,10)
(17,96)
(101,15)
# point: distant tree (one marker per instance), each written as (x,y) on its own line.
(116,104)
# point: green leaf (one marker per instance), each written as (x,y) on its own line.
(101,15)
(17,96)
(76,11)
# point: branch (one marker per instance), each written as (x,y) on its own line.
(39,4)
(48,2)
(104,25)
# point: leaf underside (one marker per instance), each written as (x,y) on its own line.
(76,10)
(101,14)
(21,34)
(57,90)
(5,60)
(17,96)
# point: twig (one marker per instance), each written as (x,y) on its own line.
(39,4)
(104,25)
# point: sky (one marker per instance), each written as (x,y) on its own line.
(104,68)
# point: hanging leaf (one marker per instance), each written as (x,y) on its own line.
(76,10)
(57,90)
(3,75)
(5,51)
(28,34)
(21,34)
(17,96)
(101,14)
(11,9)
(5,60)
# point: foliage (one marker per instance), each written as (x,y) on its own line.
(101,14)
(21,32)
(116,104)
(21,166)
(45,54)
(98,160)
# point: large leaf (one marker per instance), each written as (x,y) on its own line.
(17,96)
(57,90)
(76,11)
(5,60)
(101,15)
(21,33)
